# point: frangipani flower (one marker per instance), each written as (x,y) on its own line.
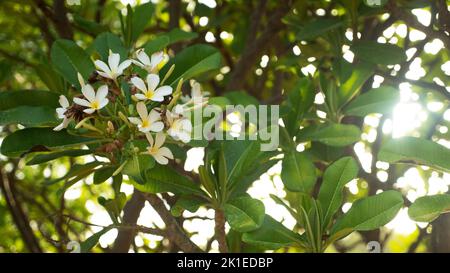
(147,121)
(94,101)
(151,64)
(198,97)
(180,127)
(150,92)
(61,112)
(113,69)
(160,154)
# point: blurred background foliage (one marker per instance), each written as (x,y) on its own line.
(266,46)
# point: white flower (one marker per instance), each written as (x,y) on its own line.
(180,127)
(197,99)
(160,154)
(147,121)
(150,92)
(113,69)
(151,64)
(94,101)
(61,111)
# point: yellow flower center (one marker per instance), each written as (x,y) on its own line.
(152,150)
(94,105)
(149,94)
(145,123)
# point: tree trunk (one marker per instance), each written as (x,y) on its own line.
(440,236)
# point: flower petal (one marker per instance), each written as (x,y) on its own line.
(160,159)
(143,57)
(157,58)
(80,79)
(88,92)
(158,98)
(103,66)
(140,97)
(144,130)
(149,139)
(142,110)
(102,92)
(63,101)
(159,140)
(139,83)
(113,61)
(164,90)
(82,102)
(154,116)
(184,137)
(123,66)
(104,75)
(138,63)
(166,152)
(89,111)
(60,112)
(135,121)
(157,126)
(62,125)
(103,103)
(152,81)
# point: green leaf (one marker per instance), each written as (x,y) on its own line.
(46,157)
(368,213)
(137,166)
(384,54)
(244,214)
(298,172)
(191,62)
(22,141)
(318,27)
(165,179)
(75,174)
(108,41)
(177,35)
(298,102)
(29,115)
(272,235)
(88,25)
(92,241)
(337,135)
(102,174)
(348,89)
(157,44)
(334,179)
(380,100)
(241,98)
(69,59)
(416,150)
(114,206)
(142,16)
(49,77)
(428,208)
(186,202)
(12,99)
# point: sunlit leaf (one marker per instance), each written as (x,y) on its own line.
(417,151)
(428,208)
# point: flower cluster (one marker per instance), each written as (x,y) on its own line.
(154,111)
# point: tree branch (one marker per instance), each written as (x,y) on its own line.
(255,48)
(18,215)
(174,232)
(131,214)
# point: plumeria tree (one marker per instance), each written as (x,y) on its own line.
(138,127)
